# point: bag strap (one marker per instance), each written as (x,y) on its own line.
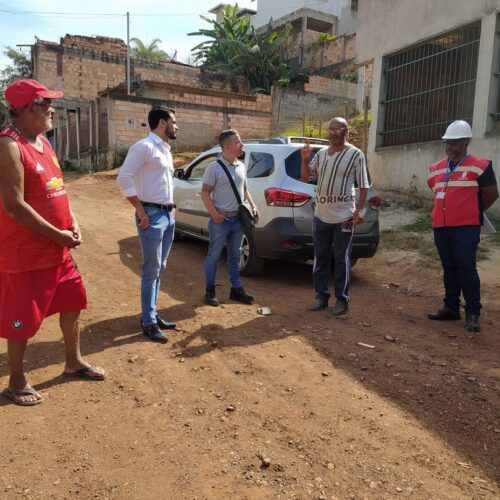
(238,197)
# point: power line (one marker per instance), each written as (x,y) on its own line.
(57,13)
(88,15)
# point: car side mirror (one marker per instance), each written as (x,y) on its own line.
(179,173)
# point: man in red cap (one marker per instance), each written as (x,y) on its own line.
(38,277)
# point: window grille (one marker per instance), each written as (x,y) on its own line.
(430,85)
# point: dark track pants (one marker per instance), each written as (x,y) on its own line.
(340,236)
(457,248)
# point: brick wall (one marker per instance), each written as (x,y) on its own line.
(200,118)
(291,106)
(330,87)
(322,55)
(81,74)
(84,66)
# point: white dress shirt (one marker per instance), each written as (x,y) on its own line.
(147,171)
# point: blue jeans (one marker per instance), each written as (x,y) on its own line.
(340,237)
(156,241)
(231,232)
(457,248)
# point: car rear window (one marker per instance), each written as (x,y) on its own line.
(260,165)
(293,162)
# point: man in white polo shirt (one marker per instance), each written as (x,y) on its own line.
(337,167)
(145,179)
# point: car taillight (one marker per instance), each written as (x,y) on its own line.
(375,202)
(284,198)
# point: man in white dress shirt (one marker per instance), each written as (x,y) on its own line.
(145,179)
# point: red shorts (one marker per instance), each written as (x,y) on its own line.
(29,297)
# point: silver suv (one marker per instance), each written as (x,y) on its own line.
(285,203)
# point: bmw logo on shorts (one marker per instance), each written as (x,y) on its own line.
(17,324)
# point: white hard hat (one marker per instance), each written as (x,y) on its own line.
(459,129)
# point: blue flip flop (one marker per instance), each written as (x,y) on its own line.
(88,373)
(27,391)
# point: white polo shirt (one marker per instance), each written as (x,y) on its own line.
(147,171)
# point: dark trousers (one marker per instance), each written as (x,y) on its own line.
(324,236)
(457,247)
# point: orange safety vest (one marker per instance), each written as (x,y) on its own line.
(456,193)
(22,249)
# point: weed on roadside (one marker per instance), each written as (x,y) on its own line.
(417,237)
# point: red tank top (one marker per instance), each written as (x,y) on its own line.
(22,249)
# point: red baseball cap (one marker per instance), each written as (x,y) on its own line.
(22,92)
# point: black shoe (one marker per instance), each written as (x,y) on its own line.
(319,304)
(444,314)
(340,308)
(239,294)
(167,325)
(210,298)
(472,323)
(154,333)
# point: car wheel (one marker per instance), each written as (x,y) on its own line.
(250,264)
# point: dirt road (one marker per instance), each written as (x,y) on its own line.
(244,406)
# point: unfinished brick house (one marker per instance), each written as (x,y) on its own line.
(97,120)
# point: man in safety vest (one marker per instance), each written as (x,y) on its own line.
(464,185)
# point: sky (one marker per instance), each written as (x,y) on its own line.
(170,21)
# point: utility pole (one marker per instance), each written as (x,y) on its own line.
(128,53)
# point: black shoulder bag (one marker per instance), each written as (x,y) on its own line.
(246,216)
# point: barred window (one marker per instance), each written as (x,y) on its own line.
(430,85)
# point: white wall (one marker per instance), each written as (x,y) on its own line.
(386,26)
(279,8)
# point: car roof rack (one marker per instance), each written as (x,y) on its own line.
(311,140)
(272,140)
(286,140)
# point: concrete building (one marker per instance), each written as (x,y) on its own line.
(344,12)
(433,62)
(309,20)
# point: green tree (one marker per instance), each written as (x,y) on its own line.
(19,67)
(224,37)
(150,53)
(234,47)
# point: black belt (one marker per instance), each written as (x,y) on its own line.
(168,207)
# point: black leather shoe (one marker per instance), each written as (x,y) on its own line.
(472,323)
(167,325)
(210,298)
(154,333)
(340,307)
(319,304)
(444,314)
(239,294)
